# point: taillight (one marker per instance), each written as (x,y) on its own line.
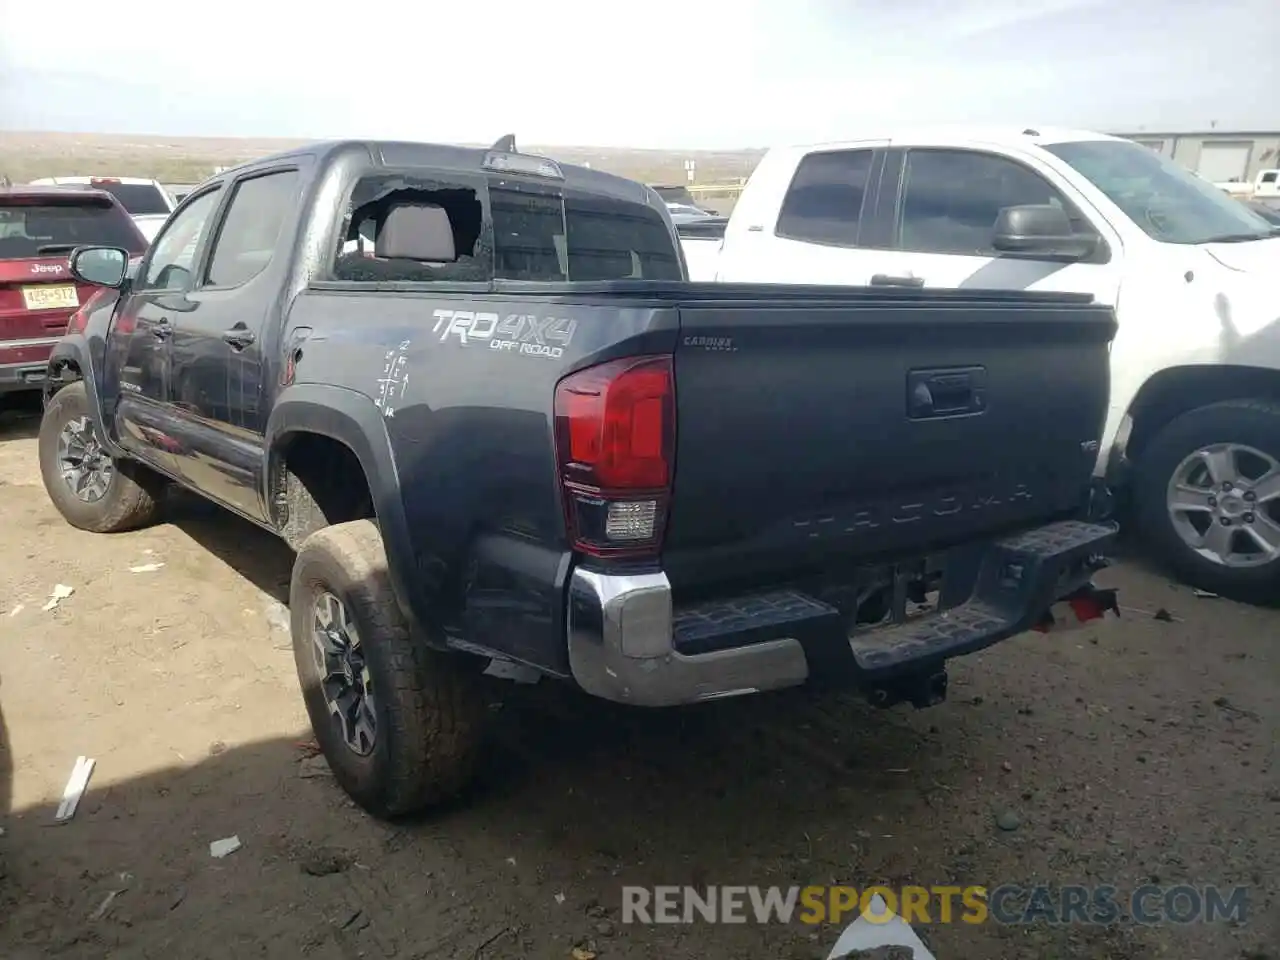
(615,443)
(78,320)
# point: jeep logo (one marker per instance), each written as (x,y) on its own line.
(46,268)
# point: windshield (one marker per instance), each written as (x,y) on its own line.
(137,198)
(35,229)
(1165,199)
(674,194)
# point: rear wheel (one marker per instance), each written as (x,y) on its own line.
(1207,491)
(90,489)
(399,724)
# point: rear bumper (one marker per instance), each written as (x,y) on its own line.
(24,363)
(628,643)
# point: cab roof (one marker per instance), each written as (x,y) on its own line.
(399,154)
(957,134)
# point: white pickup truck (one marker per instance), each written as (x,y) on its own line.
(1266,185)
(1192,439)
(146,201)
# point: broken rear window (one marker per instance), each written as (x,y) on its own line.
(534,232)
(373,198)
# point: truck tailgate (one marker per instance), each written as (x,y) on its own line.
(857,426)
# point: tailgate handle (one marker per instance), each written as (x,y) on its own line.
(948,392)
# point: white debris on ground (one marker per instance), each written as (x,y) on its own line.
(60,592)
(76,786)
(277,614)
(146,568)
(105,905)
(887,930)
(224,847)
(17,610)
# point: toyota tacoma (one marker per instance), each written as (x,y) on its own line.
(508,435)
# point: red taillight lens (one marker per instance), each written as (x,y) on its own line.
(615,439)
(78,320)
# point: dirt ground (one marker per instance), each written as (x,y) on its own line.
(1141,753)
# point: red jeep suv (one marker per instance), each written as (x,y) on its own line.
(39,227)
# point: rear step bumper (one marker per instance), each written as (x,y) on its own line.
(23,375)
(627,643)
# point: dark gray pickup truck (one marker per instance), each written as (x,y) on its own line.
(476,394)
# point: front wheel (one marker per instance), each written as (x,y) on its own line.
(90,489)
(1207,492)
(399,724)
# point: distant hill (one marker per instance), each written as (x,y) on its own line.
(27,155)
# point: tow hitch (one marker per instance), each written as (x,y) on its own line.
(921,690)
(928,688)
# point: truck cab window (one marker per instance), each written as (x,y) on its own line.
(251,228)
(173,255)
(951,199)
(543,236)
(358,257)
(825,199)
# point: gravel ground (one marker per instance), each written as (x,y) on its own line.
(1144,752)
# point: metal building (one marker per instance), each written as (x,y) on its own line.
(1218,156)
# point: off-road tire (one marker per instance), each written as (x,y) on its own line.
(1252,422)
(429,708)
(135,494)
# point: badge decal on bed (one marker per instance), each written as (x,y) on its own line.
(520,333)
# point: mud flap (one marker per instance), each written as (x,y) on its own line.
(1087,605)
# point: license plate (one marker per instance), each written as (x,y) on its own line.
(60,296)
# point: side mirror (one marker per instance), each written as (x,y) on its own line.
(1040,230)
(101,266)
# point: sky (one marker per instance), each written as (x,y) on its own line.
(699,74)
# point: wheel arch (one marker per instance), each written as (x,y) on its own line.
(1174,391)
(71,361)
(351,420)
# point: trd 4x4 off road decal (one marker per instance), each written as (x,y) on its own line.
(516,332)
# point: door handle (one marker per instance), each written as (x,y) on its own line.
(162,329)
(948,392)
(239,337)
(884,280)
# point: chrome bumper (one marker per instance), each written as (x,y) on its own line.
(626,643)
(620,648)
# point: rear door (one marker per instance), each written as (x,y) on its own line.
(138,360)
(37,292)
(218,369)
(944,206)
(826,231)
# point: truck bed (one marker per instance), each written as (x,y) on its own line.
(797,445)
